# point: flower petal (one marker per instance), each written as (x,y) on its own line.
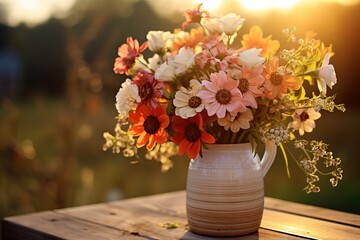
(194,150)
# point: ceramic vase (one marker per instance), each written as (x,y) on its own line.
(225,189)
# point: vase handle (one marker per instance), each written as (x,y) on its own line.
(269,156)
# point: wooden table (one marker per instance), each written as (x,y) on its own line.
(163,216)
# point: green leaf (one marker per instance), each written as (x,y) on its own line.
(285,158)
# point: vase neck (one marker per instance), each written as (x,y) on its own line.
(229,147)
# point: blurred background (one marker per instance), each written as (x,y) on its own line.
(57,96)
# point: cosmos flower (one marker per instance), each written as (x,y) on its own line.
(186,102)
(304,120)
(189,134)
(149,125)
(221,95)
(255,39)
(128,53)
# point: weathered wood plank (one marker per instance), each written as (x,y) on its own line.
(148,217)
(145,217)
(307,226)
(313,211)
(53,225)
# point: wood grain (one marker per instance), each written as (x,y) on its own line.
(145,217)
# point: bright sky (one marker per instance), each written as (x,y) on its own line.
(33,12)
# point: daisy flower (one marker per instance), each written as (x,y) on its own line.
(150,90)
(255,39)
(128,53)
(240,121)
(186,102)
(278,80)
(250,81)
(149,125)
(304,120)
(189,134)
(127,98)
(222,95)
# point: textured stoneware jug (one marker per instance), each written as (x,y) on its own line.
(225,189)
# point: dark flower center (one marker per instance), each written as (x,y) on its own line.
(194,102)
(146,91)
(192,132)
(223,96)
(276,79)
(221,56)
(304,116)
(243,85)
(151,124)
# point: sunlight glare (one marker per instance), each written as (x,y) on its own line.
(33,12)
(209,4)
(268,4)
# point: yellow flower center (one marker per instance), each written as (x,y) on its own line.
(276,79)
(223,96)
(192,132)
(194,102)
(151,124)
(243,85)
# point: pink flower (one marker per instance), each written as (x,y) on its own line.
(150,90)
(221,95)
(194,16)
(215,55)
(128,53)
(250,81)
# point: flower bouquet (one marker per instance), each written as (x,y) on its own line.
(203,84)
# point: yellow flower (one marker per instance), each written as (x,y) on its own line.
(255,39)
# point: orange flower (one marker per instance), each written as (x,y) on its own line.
(278,80)
(149,125)
(189,133)
(189,40)
(255,39)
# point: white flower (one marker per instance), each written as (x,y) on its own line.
(212,25)
(304,120)
(236,122)
(183,61)
(158,41)
(327,75)
(231,23)
(156,60)
(165,72)
(127,97)
(251,57)
(140,63)
(186,102)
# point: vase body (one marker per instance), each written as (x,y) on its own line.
(225,189)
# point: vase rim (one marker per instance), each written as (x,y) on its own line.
(228,147)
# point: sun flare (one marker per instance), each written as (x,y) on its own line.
(209,4)
(268,4)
